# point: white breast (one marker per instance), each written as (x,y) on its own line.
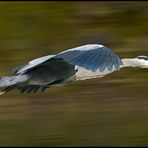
(83,73)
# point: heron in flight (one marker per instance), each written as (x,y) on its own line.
(79,63)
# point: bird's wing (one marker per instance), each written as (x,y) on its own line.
(92,57)
(51,71)
(31,64)
(32,88)
(47,70)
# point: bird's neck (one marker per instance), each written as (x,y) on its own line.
(134,62)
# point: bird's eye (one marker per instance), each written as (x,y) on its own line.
(143,58)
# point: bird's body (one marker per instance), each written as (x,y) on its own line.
(80,63)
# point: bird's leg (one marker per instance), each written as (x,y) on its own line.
(2,92)
(5,90)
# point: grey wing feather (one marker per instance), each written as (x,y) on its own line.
(50,71)
(29,88)
(54,71)
(17,68)
(92,57)
(23,68)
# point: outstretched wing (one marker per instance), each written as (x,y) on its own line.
(23,68)
(32,88)
(50,71)
(92,57)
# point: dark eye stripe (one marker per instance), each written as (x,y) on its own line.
(143,58)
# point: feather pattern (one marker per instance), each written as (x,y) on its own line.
(92,57)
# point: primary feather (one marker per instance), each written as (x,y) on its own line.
(92,57)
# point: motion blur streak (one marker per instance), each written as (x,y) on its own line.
(111,111)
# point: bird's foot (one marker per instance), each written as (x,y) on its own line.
(2,92)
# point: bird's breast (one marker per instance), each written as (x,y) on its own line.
(83,74)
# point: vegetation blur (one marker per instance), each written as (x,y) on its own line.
(110,111)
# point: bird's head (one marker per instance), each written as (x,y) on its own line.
(143,60)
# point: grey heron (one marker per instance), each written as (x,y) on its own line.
(79,63)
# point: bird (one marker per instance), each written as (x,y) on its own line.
(79,63)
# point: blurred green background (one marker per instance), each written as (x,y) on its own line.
(111,111)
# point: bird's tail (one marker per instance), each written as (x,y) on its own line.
(140,61)
(8,82)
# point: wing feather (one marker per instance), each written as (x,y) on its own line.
(23,68)
(92,57)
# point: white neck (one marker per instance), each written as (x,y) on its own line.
(134,62)
(83,73)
